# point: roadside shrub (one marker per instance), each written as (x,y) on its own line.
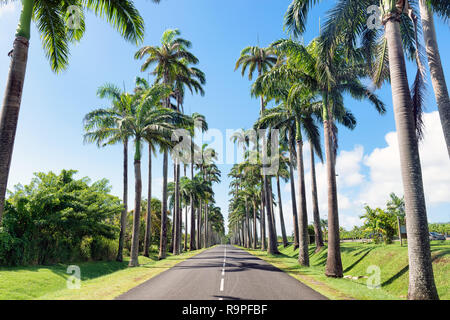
(103,249)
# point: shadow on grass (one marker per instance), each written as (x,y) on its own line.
(395,276)
(364,253)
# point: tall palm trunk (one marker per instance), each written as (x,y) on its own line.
(334,263)
(273,210)
(262,218)
(199,226)
(186,227)
(192,245)
(255,237)
(123,215)
(205,227)
(303,254)
(250,230)
(13,97)
(436,70)
(179,211)
(163,238)
(280,209)
(148,225)
(137,212)
(176,215)
(272,243)
(315,203)
(421,279)
(247,226)
(293,198)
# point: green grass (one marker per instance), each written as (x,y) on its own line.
(356,258)
(99,280)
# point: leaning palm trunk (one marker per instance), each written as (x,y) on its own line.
(137,215)
(315,204)
(148,224)
(10,112)
(293,198)
(280,210)
(436,70)
(421,279)
(163,238)
(334,262)
(123,215)
(303,254)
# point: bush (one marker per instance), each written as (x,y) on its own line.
(57,218)
(103,249)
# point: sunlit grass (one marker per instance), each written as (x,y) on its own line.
(99,280)
(356,258)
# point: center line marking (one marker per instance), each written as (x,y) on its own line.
(221,284)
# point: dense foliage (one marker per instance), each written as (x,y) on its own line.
(57,218)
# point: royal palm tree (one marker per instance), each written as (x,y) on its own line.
(313,72)
(171,59)
(261,59)
(51,19)
(296,115)
(148,120)
(390,64)
(103,126)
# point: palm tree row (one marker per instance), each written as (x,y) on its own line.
(148,115)
(384,54)
(308,83)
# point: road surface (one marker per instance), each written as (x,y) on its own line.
(222,273)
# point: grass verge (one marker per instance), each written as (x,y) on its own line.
(99,280)
(356,258)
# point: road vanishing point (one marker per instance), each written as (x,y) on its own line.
(223,272)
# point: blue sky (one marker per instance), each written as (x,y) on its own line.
(49,135)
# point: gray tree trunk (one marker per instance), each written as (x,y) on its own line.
(137,215)
(421,278)
(163,238)
(293,198)
(176,213)
(255,236)
(280,210)
(124,213)
(334,263)
(436,70)
(192,240)
(315,204)
(262,220)
(10,112)
(272,247)
(148,225)
(303,252)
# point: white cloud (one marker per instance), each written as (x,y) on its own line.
(384,164)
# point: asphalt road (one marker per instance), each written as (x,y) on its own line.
(222,273)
